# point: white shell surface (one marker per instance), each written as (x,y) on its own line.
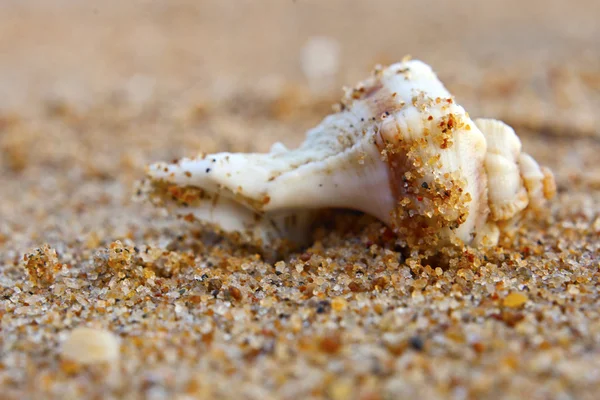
(507,194)
(401,150)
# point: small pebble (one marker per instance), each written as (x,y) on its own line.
(91,346)
(331,343)
(416,343)
(338,304)
(515,300)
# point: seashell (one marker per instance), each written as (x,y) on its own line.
(400,149)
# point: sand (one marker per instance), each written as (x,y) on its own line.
(169,309)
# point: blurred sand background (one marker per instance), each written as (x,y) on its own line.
(529,61)
(91,92)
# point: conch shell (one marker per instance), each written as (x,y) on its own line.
(400,149)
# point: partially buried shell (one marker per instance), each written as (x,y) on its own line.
(400,149)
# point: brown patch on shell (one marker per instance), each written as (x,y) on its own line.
(382,102)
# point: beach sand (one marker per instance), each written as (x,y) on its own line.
(105,296)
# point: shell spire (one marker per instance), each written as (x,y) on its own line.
(400,149)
